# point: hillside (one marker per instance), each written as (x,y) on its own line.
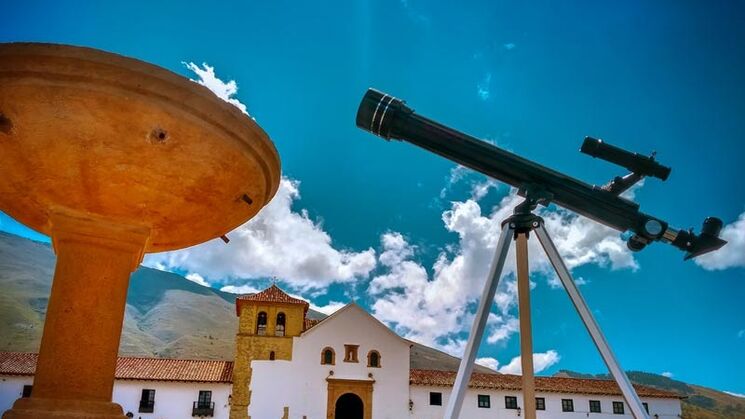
(699,403)
(167,315)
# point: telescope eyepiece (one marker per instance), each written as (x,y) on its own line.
(712,226)
(378,113)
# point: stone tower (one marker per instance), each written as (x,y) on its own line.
(268,321)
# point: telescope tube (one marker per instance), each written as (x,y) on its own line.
(389,118)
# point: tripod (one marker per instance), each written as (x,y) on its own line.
(517,227)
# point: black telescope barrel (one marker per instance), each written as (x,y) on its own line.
(390,118)
(635,162)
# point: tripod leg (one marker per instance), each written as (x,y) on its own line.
(629,394)
(526,333)
(479,323)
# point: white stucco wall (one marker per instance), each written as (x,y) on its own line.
(172,399)
(301,383)
(665,408)
(11,388)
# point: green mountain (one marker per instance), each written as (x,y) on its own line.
(699,402)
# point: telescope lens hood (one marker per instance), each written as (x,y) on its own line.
(378,112)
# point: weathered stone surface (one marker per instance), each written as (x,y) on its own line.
(118,138)
(112,158)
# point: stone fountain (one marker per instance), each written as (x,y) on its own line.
(113,158)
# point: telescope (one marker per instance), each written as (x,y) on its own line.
(390,118)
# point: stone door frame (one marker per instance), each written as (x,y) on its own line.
(338,387)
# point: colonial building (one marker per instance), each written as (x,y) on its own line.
(346,366)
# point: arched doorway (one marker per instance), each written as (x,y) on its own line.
(349,406)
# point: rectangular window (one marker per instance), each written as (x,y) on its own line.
(484,401)
(646,406)
(350,353)
(595,406)
(510,402)
(147,401)
(618,408)
(435,398)
(27,390)
(540,403)
(205,398)
(567,405)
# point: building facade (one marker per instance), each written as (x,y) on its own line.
(346,366)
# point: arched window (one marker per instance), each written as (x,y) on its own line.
(327,356)
(373,359)
(261,324)
(271,356)
(280,329)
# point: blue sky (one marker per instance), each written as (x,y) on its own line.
(405,233)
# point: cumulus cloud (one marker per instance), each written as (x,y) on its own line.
(278,242)
(732,255)
(488,362)
(240,289)
(541,361)
(328,309)
(223,90)
(437,307)
(196,278)
(667,374)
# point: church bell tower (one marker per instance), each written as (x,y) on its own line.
(267,322)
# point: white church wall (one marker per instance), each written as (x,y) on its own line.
(11,389)
(664,408)
(172,399)
(301,383)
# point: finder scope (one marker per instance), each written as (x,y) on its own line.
(641,165)
(390,118)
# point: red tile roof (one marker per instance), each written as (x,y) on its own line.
(17,363)
(129,368)
(272,294)
(511,382)
(310,323)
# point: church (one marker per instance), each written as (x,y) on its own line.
(345,366)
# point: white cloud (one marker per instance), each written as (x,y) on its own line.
(735,394)
(480,189)
(732,255)
(437,308)
(223,90)
(196,278)
(482,88)
(240,289)
(667,374)
(328,309)
(541,361)
(488,362)
(278,242)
